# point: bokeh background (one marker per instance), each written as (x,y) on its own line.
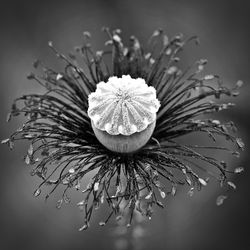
(187,222)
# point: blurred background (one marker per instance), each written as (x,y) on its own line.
(187,222)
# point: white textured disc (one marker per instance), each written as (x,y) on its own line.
(123,105)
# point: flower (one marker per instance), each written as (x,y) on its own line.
(63,124)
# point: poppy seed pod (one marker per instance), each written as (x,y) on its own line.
(123,113)
(124,143)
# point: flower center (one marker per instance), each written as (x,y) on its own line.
(122,95)
(123,105)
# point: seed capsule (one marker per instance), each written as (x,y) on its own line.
(123,143)
(123,113)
